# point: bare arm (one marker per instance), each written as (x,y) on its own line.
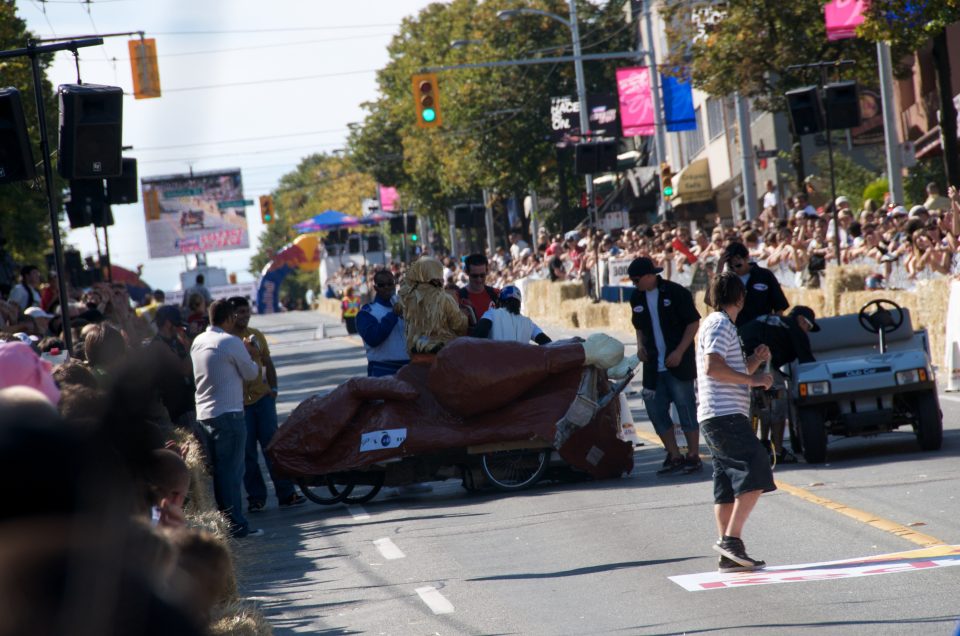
(719,370)
(674,358)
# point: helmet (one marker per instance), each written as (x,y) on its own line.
(508,292)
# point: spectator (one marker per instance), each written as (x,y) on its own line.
(477,296)
(197,316)
(221,363)
(506,323)
(26,293)
(260,413)
(105,351)
(198,288)
(934,200)
(349,308)
(382,329)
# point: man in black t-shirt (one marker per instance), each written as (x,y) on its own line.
(764,294)
(666,321)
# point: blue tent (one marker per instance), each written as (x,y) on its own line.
(328,220)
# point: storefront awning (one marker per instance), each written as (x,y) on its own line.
(692,184)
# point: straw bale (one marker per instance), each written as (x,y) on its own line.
(839,280)
(329,306)
(542,300)
(812,298)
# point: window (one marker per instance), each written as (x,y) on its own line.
(714,117)
(693,139)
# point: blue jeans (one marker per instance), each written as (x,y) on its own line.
(261,419)
(681,394)
(226,436)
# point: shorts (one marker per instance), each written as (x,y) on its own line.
(678,392)
(740,462)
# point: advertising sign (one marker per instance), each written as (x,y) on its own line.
(636,101)
(202,212)
(618,272)
(565,118)
(843,17)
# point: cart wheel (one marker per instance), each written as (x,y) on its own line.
(813,432)
(358,493)
(929,425)
(515,469)
(315,489)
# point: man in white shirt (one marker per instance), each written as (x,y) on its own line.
(26,294)
(506,324)
(741,467)
(517,245)
(221,363)
(770,196)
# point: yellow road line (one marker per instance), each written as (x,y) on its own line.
(902,531)
(862,516)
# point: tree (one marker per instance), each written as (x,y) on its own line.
(495,120)
(909,25)
(24,218)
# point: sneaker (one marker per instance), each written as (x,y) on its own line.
(728,566)
(293,500)
(692,465)
(733,549)
(255,506)
(671,465)
(786,457)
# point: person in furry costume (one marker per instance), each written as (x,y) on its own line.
(431,315)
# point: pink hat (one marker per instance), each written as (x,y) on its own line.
(20,366)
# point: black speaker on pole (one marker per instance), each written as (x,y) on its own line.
(88,204)
(91,122)
(462,216)
(585,159)
(806,110)
(841,101)
(123,189)
(16,157)
(412,224)
(396,225)
(595,157)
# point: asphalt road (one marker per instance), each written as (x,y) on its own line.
(596,557)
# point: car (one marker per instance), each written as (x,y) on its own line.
(191,218)
(872,375)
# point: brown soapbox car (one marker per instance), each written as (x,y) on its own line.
(481,411)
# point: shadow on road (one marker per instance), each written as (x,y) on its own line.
(593,569)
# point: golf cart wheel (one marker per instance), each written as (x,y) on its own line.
(796,441)
(515,469)
(358,492)
(929,425)
(814,435)
(316,488)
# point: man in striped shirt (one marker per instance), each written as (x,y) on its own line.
(741,468)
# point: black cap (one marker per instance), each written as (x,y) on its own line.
(168,313)
(806,312)
(641,267)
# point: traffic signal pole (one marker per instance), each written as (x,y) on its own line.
(659,129)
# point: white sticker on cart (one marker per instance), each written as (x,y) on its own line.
(379,440)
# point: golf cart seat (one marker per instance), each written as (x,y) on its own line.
(844,336)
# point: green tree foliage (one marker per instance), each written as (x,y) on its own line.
(495,120)
(851,177)
(750,49)
(24,219)
(907,24)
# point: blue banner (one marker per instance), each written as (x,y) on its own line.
(678,103)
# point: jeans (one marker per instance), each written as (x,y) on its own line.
(261,419)
(681,394)
(226,436)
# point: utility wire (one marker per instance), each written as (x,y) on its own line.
(239,140)
(237,154)
(276,30)
(266,81)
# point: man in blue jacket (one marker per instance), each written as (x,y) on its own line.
(381,328)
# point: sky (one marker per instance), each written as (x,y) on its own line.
(246,84)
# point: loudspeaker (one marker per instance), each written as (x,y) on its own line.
(806,110)
(88,204)
(841,101)
(396,225)
(91,122)
(16,157)
(412,224)
(123,189)
(462,217)
(595,157)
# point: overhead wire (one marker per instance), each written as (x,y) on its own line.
(238,140)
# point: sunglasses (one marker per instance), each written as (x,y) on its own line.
(478,275)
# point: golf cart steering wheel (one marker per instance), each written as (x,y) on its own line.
(882,319)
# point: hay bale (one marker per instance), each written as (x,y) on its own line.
(812,298)
(543,299)
(837,281)
(329,306)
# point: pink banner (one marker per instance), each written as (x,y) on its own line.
(843,18)
(388,198)
(636,101)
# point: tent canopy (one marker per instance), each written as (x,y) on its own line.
(333,220)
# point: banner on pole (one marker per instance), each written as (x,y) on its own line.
(388,198)
(843,17)
(678,103)
(636,101)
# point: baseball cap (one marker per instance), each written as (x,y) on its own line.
(168,313)
(917,210)
(898,210)
(806,312)
(641,267)
(840,200)
(571,235)
(36,312)
(508,292)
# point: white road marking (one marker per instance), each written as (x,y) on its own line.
(435,600)
(388,549)
(358,513)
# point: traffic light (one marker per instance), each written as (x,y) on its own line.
(426,100)
(666,179)
(267,214)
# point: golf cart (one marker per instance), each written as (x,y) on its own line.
(872,375)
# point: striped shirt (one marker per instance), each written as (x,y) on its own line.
(719,335)
(220,365)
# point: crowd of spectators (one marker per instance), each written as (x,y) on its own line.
(900,245)
(109,525)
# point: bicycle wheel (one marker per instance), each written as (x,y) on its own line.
(316,488)
(358,490)
(515,469)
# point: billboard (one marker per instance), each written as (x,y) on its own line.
(191,213)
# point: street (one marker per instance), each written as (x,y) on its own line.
(591,558)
